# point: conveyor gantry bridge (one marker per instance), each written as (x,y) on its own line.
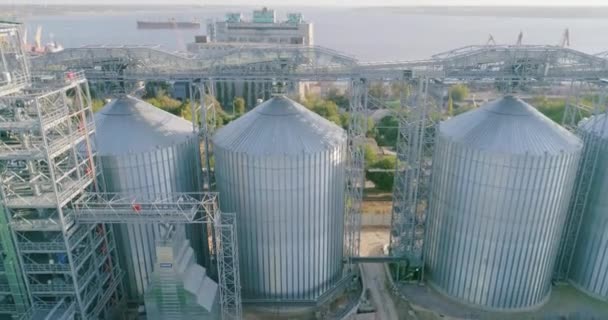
(137,63)
(174,208)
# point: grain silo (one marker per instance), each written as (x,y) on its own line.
(502,179)
(589,268)
(281,169)
(144,151)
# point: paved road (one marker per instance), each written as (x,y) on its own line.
(375,277)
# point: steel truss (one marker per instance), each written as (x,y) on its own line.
(355,175)
(412,172)
(170,209)
(47,161)
(586,99)
(228,266)
(14,69)
(207,127)
(537,62)
(514,65)
(155,208)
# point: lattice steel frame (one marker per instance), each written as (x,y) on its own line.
(170,209)
(510,64)
(412,172)
(47,162)
(575,111)
(14,66)
(355,169)
(154,208)
(228,266)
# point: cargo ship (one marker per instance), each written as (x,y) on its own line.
(170,24)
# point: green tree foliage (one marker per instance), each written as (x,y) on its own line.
(399,88)
(345,120)
(462,109)
(370,154)
(221,117)
(552,108)
(459,92)
(387,130)
(325,108)
(371,128)
(154,89)
(167,103)
(450,106)
(338,98)
(239,106)
(377,90)
(385,177)
(97,104)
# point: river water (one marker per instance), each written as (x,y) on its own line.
(370,35)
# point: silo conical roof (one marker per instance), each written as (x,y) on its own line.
(130,125)
(279,126)
(509,125)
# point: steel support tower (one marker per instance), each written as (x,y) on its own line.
(355,169)
(47,162)
(412,172)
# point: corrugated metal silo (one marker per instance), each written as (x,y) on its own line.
(281,169)
(502,179)
(144,151)
(589,269)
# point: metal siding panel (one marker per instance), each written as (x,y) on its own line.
(286,206)
(142,174)
(589,270)
(494,223)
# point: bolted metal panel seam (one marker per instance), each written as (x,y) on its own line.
(495,217)
(589,272)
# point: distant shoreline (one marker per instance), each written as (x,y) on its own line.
(512,12)
(477,11)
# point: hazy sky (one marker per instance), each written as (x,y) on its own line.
(327,2)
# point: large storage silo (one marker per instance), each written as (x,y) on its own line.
(281,169)
(589,269)
(502,179)
(144,151)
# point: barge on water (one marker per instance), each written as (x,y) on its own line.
(170,24)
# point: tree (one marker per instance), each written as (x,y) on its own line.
(239,106)
(387,130)
(377,90)
(459,92)
(167,103)
(325,108)
(371,128)
(399,88)
(155,89)
(450,105)
(370,154)
(338,98)
(384,177)
(97,104)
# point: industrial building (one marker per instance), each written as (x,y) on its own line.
(54,267)
(134,209)
(503,175)
(589,267)
(262,28)
(282,168)
(145,151)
